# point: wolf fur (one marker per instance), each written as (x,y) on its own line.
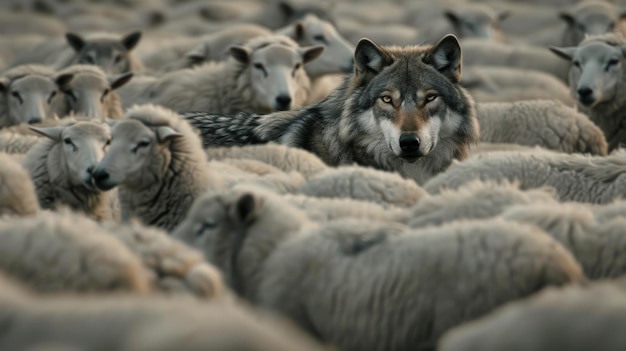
(408,94)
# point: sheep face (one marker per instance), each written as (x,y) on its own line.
(111,55)
(476,22)
(276,75)
(28,99)
(80,146)
(338,52)
(591,18)
(596,71)
(90,94)
(136,157)
(217,223)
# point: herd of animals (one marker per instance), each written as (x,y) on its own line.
(346,175)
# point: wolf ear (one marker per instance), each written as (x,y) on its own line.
(246,208)
(119,80)
(370,58)
(165,133)
(564,53)
(240,54)
(446,57)
(131,40)
(76,41)
(53,133)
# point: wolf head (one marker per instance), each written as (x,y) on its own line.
(411,96)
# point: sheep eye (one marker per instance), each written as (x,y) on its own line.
(17,96)
(143,143)
(612,62)
(386,99)
(261,68)
(576,64)
(297,66)
(118,58)
(208,224)
(430,97)
(320,38)
(52,95)
(68,141)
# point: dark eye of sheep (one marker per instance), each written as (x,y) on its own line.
(52,95)
(143,143)
(69,142)
(118,58)
(208,224)
(17,96)
(576,64)
(321,38)
(261,68)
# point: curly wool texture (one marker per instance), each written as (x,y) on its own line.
(597,245)
(379,274)
(54,252)
(14,143)
(187,175)
(592,179)
(283,157)
(577,318)
(17,192)
(173,266)
(545,123)
(367,184)
(474,200)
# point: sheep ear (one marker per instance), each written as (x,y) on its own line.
(446,57)
(197,54)
(119,80)
(76,41)
(564,53)
(64,79)
(370,58)
(298,31)
(240,54)
(286,8)
(567,17)
(246,208)
(165,134)
(310,53)
(53,133)
(131,40)
(452,17)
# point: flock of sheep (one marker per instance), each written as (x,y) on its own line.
(120,230)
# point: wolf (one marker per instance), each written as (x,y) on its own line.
(401,110)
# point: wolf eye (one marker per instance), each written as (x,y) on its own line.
(430,97)
(17,96)
(386,99)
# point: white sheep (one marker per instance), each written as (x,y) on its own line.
(90,93)
(546,123)
(172,265)
(158,163)
(483,148)
(575,318)
(590,18)
(264,75)
(61,166)
(26,94)
(381,274)
(579,178)
(17,192)
(362,183)
(54,252)
(283,157)
(16,143)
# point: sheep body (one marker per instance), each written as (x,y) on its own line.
(17,192)
(15,143)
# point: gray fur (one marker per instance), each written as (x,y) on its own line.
(592,179)
(546,123)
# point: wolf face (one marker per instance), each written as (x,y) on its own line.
(408,95)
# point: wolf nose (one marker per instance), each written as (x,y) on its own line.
(585,95)
(34,120)
(409,143)
(283,102)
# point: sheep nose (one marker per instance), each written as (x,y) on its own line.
(585,95)
(409,143)
(283,102)
(34,120)
(100,176)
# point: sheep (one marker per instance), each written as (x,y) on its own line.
(17,192)
(269,256)
(131,323)
(482,148)
(248,165)
(61,166)
(173,266)
(283,157)
(26,94)
(590,18)
(338,53)
(54,252)
(15,143)
(491,53)
(546,123)
(473,200)
(158,163)
(578,178)
(575,318)
(323,209)
(91,93)
(610,211)
(361,183)
(280,13)
(597,246)
(505,84)
(262,76)
(596,82)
